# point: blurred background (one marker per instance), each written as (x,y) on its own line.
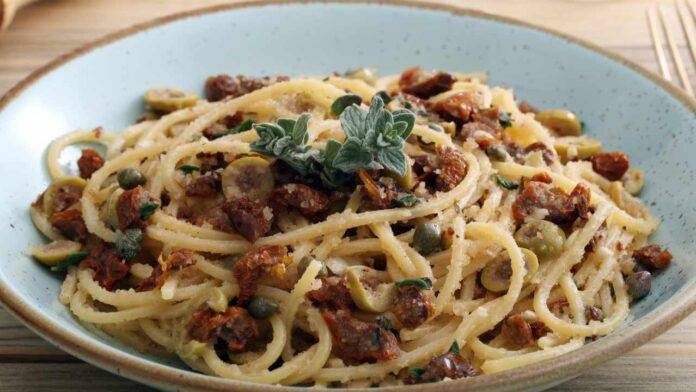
(42,30)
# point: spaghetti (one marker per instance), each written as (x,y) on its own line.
(351,230)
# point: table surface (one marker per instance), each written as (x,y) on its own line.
(47,29)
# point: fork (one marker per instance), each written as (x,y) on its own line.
(687,17)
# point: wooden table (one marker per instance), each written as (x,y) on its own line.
(50,28)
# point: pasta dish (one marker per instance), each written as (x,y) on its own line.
(348,230)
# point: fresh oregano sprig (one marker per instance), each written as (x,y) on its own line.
(287,141)
(374,138)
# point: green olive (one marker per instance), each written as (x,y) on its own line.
(111,211)
(426,238)
(633,181)
(261,308)
(365,74)
(248,176)
(67,181)
(563,122)
(495,276)
(374,297)
(54,252)
(304,263)
(542,237)
(168,99)
(570,147)
(450,128)
(130,178)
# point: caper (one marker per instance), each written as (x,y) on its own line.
(563,122)
(128,244)
(129,178)
(639,284)
(572,147)
(633,181)
(495,276)
(54,252)
(542,237)
(304,263)
(426,238)
(260,307)
(168,99)
(249,177)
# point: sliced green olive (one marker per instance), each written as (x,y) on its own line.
(495,276)
(367,292)
(542,237)
(169,99)
(569,147)
(54,252)
(68,181)
(304,263)
(260,307)
(111,211)
(426,238)
(633,181)
(406,181)
(561,121)
(365,74)
(248,176)
(130,178)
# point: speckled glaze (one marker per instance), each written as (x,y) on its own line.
(101,84)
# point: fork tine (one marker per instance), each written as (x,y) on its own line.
(657,44)
(681,71)
(688,27)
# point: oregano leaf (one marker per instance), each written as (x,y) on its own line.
(344,101)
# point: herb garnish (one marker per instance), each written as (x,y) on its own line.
(504,119)
(344,101)
(72,259)
(188,169)
(147,209)
(416,372)
(384,322)
(383,95)
(406,201)
(374,140)
(287,141)
(507,184)
(242,127)
(454,348)
(421,283)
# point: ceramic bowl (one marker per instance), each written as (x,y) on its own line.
(102,84)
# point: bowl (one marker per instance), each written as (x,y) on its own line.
(101,84)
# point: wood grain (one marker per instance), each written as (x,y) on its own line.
(47,29)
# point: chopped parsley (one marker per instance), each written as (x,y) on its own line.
(421,283)
(507,184)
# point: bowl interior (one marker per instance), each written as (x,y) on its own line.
(103,87)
